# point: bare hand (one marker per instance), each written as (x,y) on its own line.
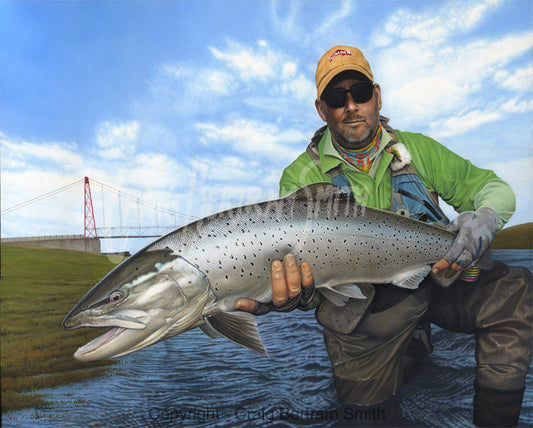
(287,292)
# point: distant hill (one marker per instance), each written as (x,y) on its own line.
(515,237)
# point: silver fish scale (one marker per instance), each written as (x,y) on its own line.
(342,241)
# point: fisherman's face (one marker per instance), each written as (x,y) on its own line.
(354,125)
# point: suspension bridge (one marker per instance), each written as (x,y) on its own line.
(131,216)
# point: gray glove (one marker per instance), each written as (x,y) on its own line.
(476,231)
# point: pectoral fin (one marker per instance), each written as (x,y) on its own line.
(209,331)
(412,278)
(239,327)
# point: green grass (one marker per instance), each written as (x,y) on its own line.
(38,287)
(515,237)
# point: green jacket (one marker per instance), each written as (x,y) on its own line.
(457,181)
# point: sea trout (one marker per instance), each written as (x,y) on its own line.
(192,276)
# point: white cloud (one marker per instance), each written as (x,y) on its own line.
(518,80)
(60,213)
(468,120)
(264,65)
(18,154)
(429,84)
(435,25)
(199,81)
(291,19)
(250,63)
(116,140)
(154,171)
(225,168)
(457,125)
(253,138)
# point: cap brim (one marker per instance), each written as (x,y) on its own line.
(332,73)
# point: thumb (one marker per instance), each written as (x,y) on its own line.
(245,304)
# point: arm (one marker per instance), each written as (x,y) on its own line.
(457,181)
(485,201)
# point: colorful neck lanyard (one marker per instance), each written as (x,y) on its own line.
(361,159)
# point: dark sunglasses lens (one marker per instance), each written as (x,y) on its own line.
(362,92)
(335,98)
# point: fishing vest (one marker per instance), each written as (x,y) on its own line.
(409,196)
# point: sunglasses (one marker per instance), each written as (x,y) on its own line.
(361,93)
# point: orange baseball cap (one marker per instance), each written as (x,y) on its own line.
(337,59)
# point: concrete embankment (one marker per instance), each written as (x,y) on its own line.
(66,242)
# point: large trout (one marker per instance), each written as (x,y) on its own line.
(192,276)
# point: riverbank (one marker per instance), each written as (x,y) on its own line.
(518,237)
(39,287)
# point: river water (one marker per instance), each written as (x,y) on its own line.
(192,380)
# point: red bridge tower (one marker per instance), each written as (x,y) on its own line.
(90,225)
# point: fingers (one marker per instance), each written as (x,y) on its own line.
(440,265)
(307,275)
(292,276)
(443,265)
(280,293)
(286,279)
(287,284)
(245,304)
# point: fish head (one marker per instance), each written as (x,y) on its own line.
(151,296)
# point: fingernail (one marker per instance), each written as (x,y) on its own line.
(289,259)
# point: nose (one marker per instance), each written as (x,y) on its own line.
(350,105)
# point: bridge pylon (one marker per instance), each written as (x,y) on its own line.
(89,223)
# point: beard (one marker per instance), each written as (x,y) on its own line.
(350,138)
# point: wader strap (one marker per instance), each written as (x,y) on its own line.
(336,174)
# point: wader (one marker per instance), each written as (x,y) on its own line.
(377,344)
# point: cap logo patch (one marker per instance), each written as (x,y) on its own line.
(339,52)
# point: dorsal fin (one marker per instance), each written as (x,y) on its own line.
(320,192)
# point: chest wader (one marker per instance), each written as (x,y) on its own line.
(370,342)
(367,340)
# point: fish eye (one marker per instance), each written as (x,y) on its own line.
(116,296)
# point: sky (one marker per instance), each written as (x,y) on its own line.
(197,106)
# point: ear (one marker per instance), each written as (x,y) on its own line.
(320,106)
(377,94)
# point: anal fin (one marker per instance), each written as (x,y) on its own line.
(238,327)
(411,279)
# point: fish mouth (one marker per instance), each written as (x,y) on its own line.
(128,318)
(85,351)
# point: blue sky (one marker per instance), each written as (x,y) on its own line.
(199,105)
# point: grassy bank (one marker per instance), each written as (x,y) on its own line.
(515,237)
(38,288)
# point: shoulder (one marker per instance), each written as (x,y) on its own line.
(300,173)
(412,138)
(421,147)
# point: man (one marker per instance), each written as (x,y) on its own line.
(376,346)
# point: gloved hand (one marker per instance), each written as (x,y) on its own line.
(289,289)
(476,231)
